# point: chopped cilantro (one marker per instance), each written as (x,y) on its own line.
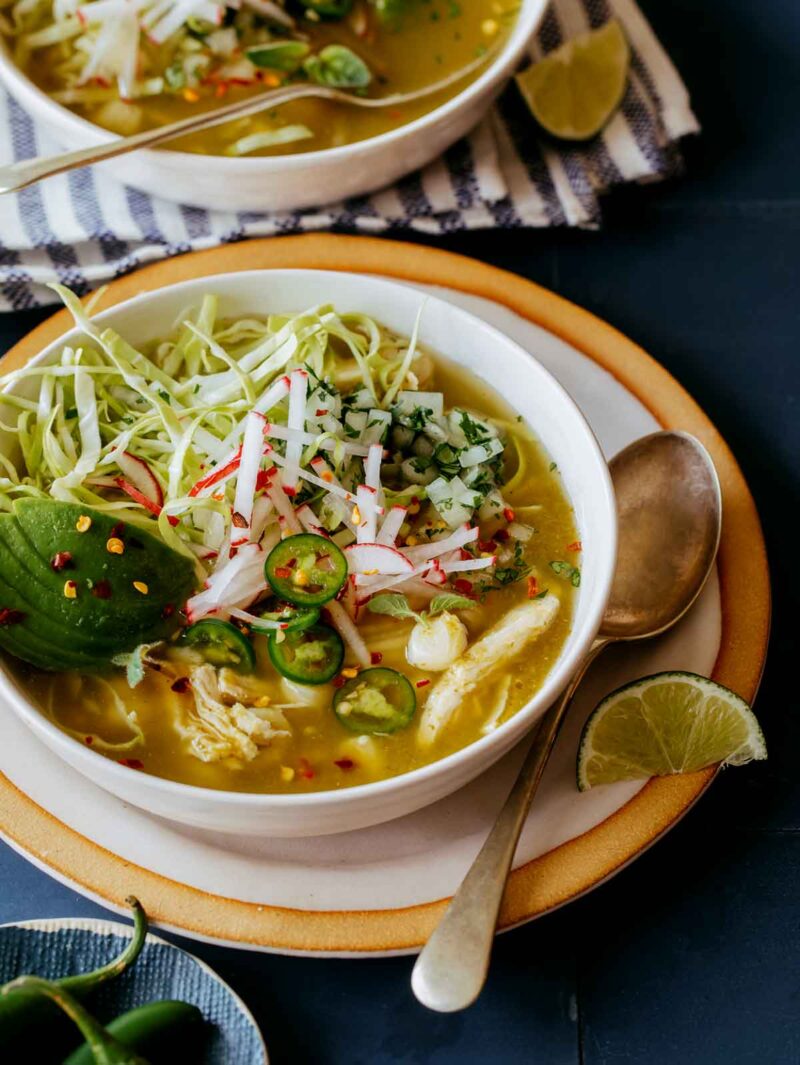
(567,572)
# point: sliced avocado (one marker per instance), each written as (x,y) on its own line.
(24,640)
(58,632)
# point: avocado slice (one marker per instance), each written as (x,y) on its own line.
(109,614)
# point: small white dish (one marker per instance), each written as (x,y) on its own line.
(524,383)
(285,182)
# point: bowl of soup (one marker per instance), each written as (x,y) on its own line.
(292,552)
(92,71)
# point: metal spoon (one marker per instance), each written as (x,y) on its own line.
(19,175)
(670,513)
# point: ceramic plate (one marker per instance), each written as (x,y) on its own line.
(381,890)
(62,946)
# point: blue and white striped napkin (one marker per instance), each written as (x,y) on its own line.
(84,228)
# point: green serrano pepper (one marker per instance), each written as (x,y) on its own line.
(22,1009)
(166,1031)
(105,1049)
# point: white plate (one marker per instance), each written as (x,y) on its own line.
(420,858)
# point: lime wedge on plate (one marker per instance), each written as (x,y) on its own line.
(576,88)
(667,723)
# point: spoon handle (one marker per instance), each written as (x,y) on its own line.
(19,175)
(451,968)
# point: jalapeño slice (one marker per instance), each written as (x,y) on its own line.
(310,656)
(221,644)
(306,569)
(291,618)
(377,700)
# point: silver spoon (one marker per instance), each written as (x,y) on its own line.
(19,175)
(670,514)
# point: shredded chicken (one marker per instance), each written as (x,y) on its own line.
(218,729)
(497,645)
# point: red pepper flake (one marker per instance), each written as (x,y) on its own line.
(239,520)
(61,560)
(575,546)
(502,535)
(376,658)
(508,514)
(423,683)
(283,572)
(168,611)
(131,763)
(339,682)
(10,617)
(118,530)
(345,763)
(88,740)
(533,587)
(463,586)
(304,769)
(264,477)
(321,412)
(101,590)
(181,685)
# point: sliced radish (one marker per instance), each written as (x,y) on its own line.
(310,522)
(329,486)
(391,526)
(252,452)
(466,565)
(376,558)
(372,467)
(464,535)
(298,387)
(236,582)
(263,510)
(218,475)
(274,394)
(367,524)
(286,514)
(255,621)
(139,497)
(347,629)
(138,473)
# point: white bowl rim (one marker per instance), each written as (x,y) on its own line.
(555,681)
(530,15)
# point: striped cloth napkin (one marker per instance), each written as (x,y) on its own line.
(84,228)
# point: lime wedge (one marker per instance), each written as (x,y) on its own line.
(667,723)
(576,88)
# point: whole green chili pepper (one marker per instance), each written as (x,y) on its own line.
(22,1010)
(106,1050)
(165,1031)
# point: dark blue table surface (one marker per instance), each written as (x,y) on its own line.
(690,955)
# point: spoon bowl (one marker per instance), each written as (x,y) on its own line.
(669,511)
(670,519)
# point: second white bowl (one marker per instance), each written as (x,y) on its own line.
(285,182)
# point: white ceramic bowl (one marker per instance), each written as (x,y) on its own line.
(285,182)
(526,385)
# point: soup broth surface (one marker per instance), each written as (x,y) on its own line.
(322,754)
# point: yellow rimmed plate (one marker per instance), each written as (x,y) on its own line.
(382,890)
